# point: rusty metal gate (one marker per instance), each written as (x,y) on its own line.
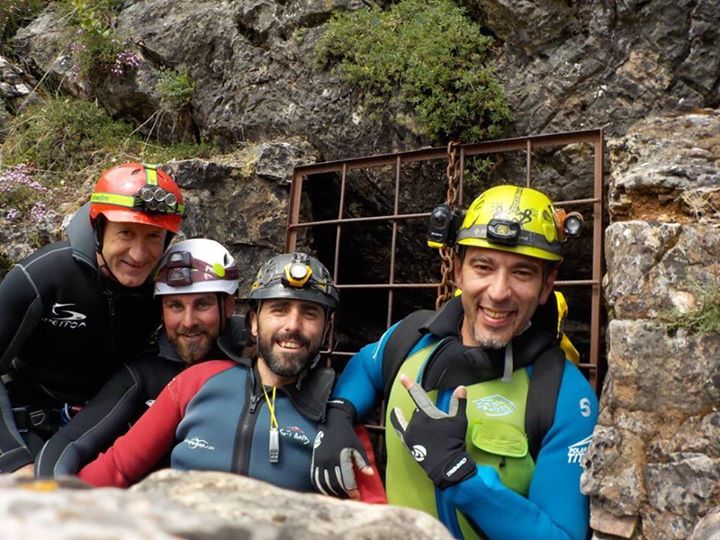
(303,177)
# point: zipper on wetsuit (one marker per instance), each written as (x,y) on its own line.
(246,426)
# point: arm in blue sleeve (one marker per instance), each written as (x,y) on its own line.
(555,507)
(361,382)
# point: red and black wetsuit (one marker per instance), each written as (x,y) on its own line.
(124,399)
(215,416)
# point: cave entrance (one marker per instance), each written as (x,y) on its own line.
(366,219)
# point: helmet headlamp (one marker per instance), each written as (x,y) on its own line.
(568,224)
(181,270)
(573,224)
(503,231)
(153,198)
(297,274)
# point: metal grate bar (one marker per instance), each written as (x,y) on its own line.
(593,137)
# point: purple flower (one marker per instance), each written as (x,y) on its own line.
(125,60)
(12,214)
(17,176)
(39,212)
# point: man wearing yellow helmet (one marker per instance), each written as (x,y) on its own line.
(498,417)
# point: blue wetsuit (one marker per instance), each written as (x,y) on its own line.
(555,507)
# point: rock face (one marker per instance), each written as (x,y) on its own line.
(653,469)
(198,505)
(241,200)
(563,65)
(586,64)
(646,71)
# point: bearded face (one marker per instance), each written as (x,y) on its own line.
(192,323)
(289,334)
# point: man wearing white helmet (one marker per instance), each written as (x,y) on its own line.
(196,282)
(256,416)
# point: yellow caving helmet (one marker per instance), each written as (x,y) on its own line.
(515,219)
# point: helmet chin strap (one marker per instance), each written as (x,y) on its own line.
(99,229)
(106,267)
(221,310)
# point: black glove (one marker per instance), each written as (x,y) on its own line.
(435,439)
(335,448)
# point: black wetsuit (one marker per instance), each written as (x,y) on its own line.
(64,330)
(123,399)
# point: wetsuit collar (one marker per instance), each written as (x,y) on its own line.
(309,394)
(453,363)
(233,338)
(82,237)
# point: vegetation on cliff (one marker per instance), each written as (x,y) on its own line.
(423,56)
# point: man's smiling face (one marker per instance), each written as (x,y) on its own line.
(289,334)
(500,293)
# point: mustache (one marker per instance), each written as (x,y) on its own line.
(295,336)
(196,329)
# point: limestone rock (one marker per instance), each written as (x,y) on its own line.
(659,268)
(654,454)
(46,509)
(668,168)
(243,501)
(685,487)
(200,505)
(614,471)
(652,370)
(708,528)
(587,64)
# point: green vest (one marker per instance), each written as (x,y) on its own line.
(495,437)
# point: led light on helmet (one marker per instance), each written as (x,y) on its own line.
(573,224)
(503,231)
(297,274)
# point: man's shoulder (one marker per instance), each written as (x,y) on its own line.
(150,361)
(576,401)
(208,368)
(48,255)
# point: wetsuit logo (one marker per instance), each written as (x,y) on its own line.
(294,433)
(495,405)
(62,317)
(197,442)
(318,439)
(577,450)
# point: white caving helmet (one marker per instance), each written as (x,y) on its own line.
(196,266)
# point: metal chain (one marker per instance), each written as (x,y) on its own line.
(445,289)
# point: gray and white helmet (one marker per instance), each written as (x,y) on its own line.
(296,276)
(193,266)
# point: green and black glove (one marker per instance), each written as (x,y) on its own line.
(436,439)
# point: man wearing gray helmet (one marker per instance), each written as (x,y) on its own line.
(271,405)
(196,283)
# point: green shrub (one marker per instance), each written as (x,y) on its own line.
(97,47)
(175,88)
(59,143)
(423,56)
(705,318)
(63,134)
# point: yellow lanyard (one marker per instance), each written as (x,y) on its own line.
(271,407)
(274,436)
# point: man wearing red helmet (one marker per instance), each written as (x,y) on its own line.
(74,310)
